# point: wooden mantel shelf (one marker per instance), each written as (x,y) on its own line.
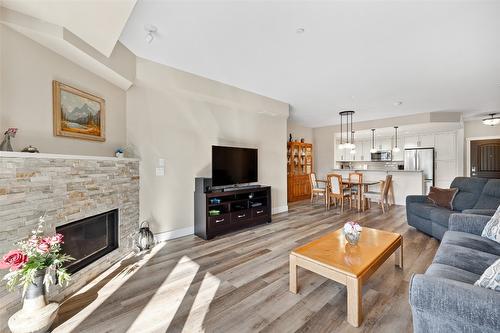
(15,154)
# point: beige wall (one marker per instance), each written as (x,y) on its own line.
(476,128)
(178,116)
(27,71)
(298,131)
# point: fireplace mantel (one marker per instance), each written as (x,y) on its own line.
(62,156)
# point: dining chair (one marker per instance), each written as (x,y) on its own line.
(356,183)
(380,197)
(316,190)
(337,191)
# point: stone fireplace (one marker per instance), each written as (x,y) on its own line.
(94,200)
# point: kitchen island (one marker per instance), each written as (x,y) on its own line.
(404,182)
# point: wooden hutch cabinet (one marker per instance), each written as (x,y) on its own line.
(299,166)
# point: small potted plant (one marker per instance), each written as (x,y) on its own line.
(120,152)
(6,145)
(352,232)
(32,266)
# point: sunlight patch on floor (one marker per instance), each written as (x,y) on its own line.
(201,304)
(155,315)
(111,287)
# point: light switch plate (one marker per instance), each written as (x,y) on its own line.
(160,171)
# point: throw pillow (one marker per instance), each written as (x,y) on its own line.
(492,228)
(442,197)
(491,277)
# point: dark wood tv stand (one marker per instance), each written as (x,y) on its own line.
(238,209)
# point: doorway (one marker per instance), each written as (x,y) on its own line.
(485,158)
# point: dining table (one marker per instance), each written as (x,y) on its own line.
(362,187)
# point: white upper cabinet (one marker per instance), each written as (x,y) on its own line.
(411,141)
(446,148)
(417,141)
(384,143)
(426,141)
(367,146)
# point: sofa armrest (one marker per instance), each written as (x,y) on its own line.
(470,223)
(416,198)
(455,300)
(486,212)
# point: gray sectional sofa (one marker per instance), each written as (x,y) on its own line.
(444,299)
(475,196)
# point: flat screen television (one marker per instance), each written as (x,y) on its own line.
(233,165)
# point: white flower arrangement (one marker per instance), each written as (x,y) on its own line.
(352,228)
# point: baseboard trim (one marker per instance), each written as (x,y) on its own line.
(280,209)
(168,235)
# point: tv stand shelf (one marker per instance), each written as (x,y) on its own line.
(217,213)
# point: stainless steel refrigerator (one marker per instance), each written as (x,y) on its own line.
(421,159)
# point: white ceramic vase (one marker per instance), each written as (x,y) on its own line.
(36,316)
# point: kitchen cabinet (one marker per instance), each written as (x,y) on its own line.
(446,146)
(411,141)
(426,141)
(384,144)
(367,146)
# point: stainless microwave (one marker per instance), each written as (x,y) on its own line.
(384,155)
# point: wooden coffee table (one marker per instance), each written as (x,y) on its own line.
(332,257)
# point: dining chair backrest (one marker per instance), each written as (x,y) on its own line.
(334,183)
(355,178)
(312,178)
(387,184)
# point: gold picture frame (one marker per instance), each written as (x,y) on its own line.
(77,114)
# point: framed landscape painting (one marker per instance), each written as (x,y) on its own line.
(77,114)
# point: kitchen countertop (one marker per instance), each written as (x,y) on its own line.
(372,170)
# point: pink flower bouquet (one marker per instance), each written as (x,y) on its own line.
(34,254)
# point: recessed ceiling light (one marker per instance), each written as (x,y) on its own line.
(300,30)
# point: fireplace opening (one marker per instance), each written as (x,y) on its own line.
(89,239)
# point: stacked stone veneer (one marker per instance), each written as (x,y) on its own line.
(68,189)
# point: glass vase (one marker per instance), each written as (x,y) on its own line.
(352,238)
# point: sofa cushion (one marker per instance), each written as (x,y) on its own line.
(452,273)
(492,228)
(469,190)
(421,209)
(471,260)
(472,241)
(491,277)
(490,197)
(440,215)
(442,197)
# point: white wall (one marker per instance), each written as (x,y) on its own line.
(298,132)
(178,116)
(27,71)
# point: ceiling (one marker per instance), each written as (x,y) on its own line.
(359,55)
(98,23)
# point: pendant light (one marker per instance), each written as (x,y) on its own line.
(353,149)
(396,148)
(492,121)
(373,150)
(348,133)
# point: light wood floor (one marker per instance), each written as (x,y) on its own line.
(239,283)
